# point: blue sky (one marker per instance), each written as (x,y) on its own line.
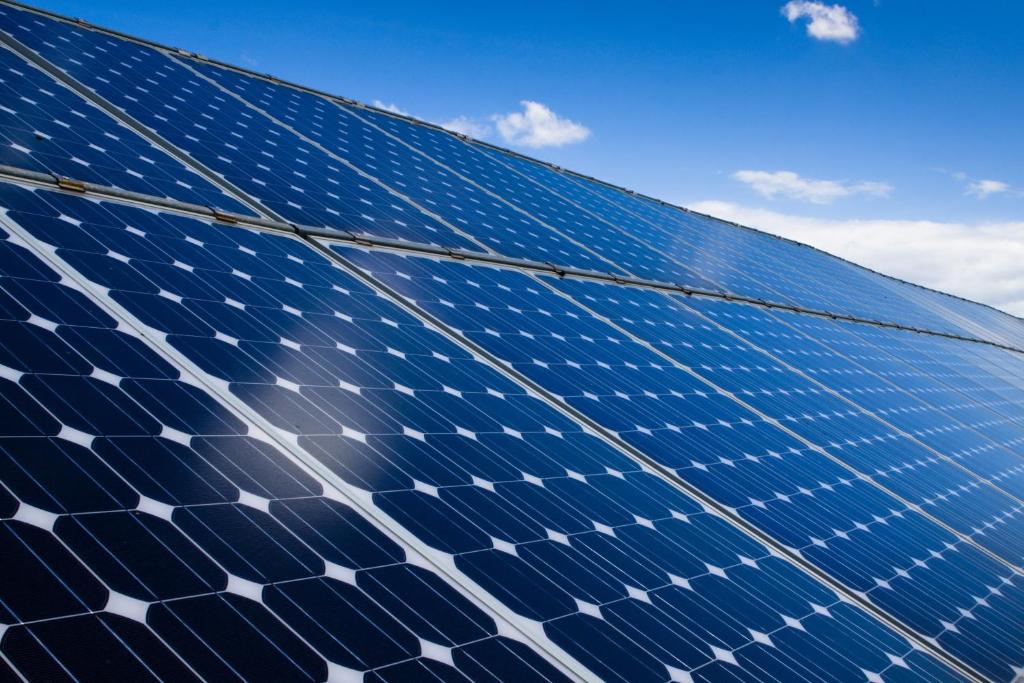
(888,132)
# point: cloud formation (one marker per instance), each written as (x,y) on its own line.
(468,126)
(980,261)
(391,107)
(832,23)
(537,126)
(772,184)
(984,188)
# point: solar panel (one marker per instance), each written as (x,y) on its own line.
(605,438)
(286,174)
(490,220)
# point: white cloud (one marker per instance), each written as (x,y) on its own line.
(826,22)
(773,184)
(391,107)
(978,261)
(984,188)
(468,126)
(537,126)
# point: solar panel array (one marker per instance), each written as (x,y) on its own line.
(296,389)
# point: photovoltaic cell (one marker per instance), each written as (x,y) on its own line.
(831,515)
(619,568)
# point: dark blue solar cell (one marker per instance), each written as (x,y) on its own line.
(342,623)
(490,513)
(55,231)
(140,555)
(41,579)
(248,542)
(436,522)
(357,463)
(165,470)
(90,405)
(572,571)
(53,302)
(425,604)
(255,467)
(337,532)
(501,659)
(605,650)
(61,477)
(225,637)
(182,407)
(547,508)
(67,649)
(416,670)
(517,584)
(117,353)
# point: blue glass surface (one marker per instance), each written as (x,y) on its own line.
(935,389)
(847,431)
(622,570)
(830,514)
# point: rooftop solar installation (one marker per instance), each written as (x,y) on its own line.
(295,389)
